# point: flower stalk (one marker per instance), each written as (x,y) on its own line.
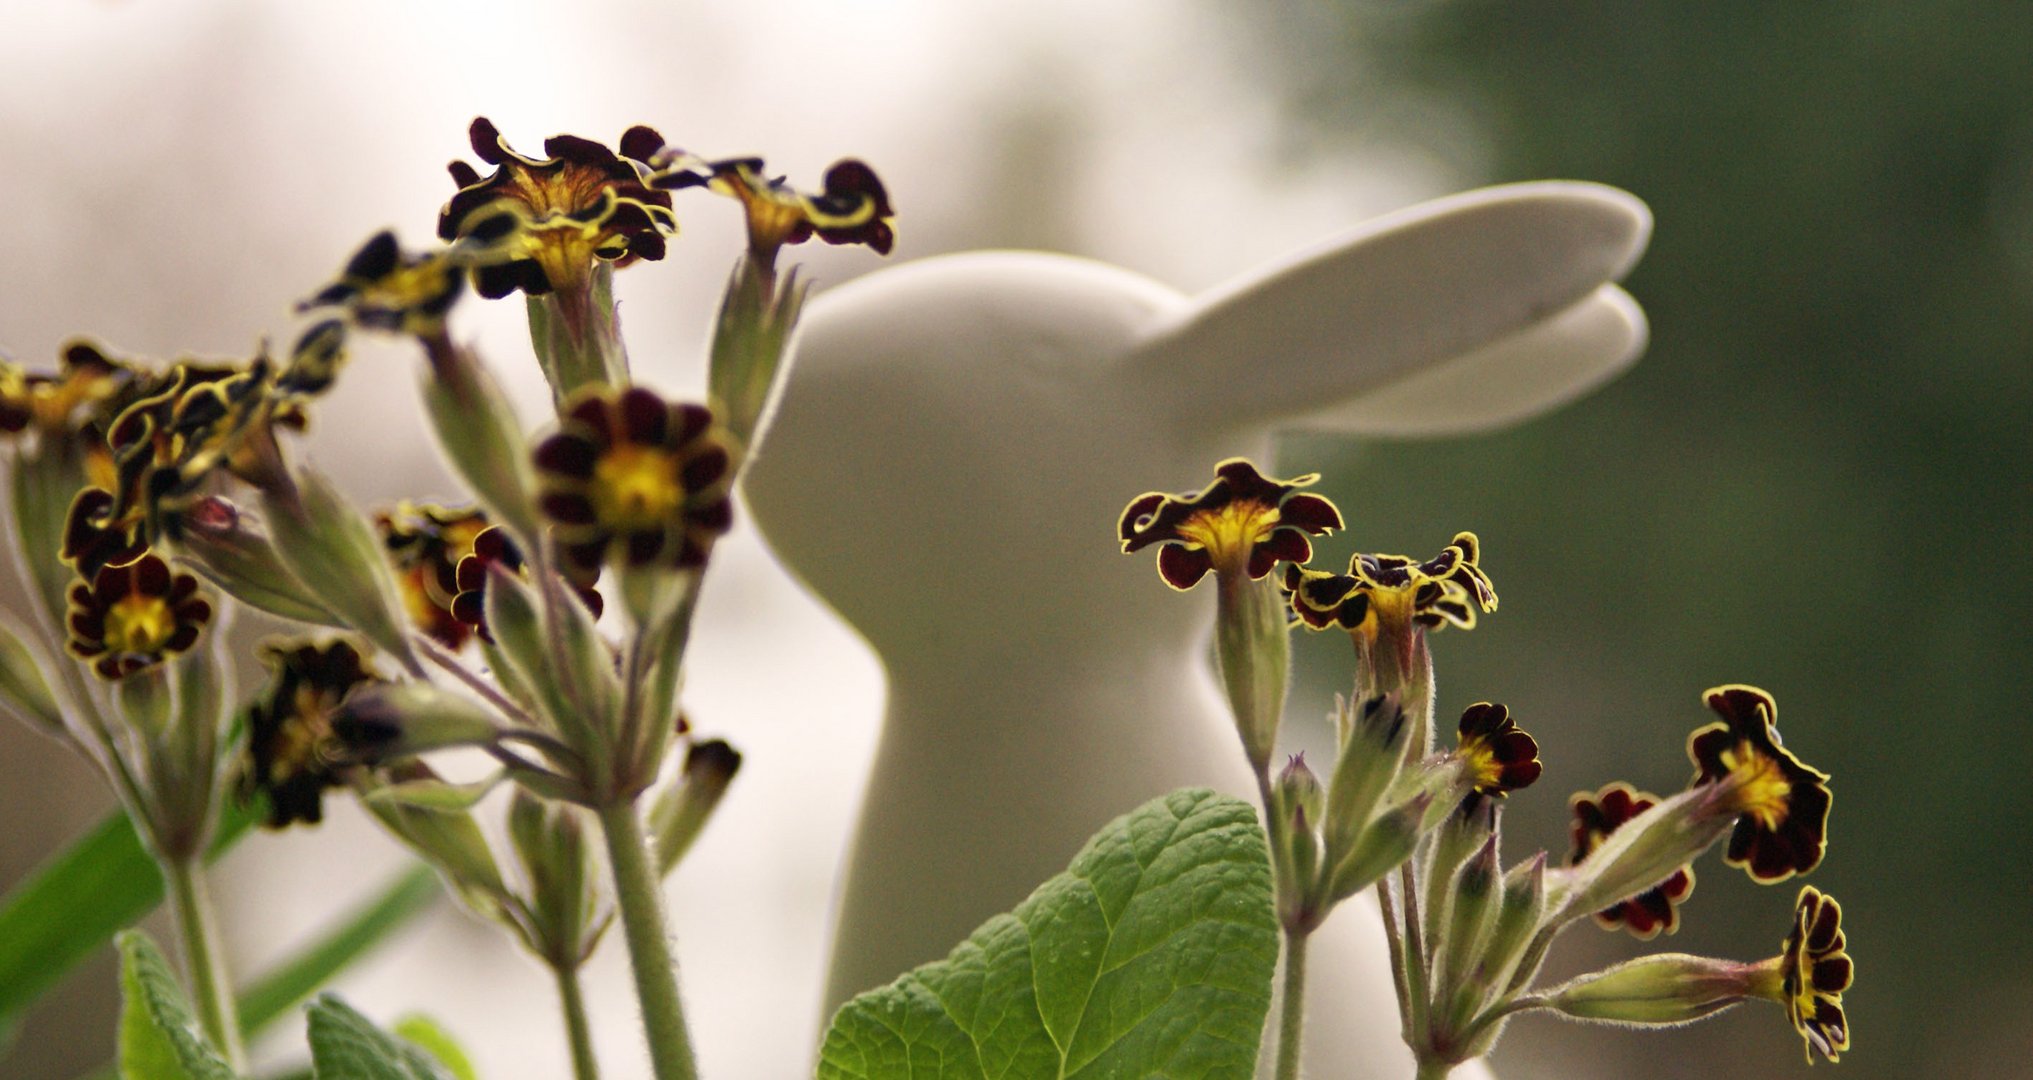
(211,987)
(639,895)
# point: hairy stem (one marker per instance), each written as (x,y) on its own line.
(573,1001)
(1433,1069)
(1396,942)
(638,894)
(1292,1011)
(204,965)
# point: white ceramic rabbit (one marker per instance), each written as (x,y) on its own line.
(957,438)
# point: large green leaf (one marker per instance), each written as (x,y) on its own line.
(1151,955)
(75,902)
(347,1046)
(159,1039)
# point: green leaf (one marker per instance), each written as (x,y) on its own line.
(347,1046)
(297,978)
(1151,955)
(73,904)
(438,1043)
(159,1039)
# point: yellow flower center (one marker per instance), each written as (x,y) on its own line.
(139,624)
(636,488)
(1229,533)
(1484,769)
(1761,787)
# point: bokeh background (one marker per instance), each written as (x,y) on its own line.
(1817,481)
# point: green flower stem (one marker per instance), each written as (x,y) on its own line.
(640,897)
(1292,1011)
(1433,1069)
(204,965)
(1396,942)
(1415,957)
(584,1065)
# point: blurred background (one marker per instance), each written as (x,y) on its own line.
(1817,481)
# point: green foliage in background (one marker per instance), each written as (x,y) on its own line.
(1151,955)
(1818,478)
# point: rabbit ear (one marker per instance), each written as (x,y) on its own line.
(1398,295)
(1532,371)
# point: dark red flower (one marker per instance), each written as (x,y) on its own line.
(1649,913)
(634,478)
(1814,970)
(1498,755)
(538,224)
(293,751)
(133,617)
(1241,524)
(1782,804)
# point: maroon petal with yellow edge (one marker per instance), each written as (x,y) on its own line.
(1649,913)
(538,224)
(1242,524)
(631,477)
(1782,803)
(1814,970)
(133,617)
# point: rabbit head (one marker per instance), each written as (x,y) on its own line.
(959,433)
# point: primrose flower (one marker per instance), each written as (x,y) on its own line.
(134,617)
(493,548)
(1648,913)
(1242,524)
(1497,755)
(1781,803)
(384,288)
(1381,592)
(853,208)
(293,751)
(1814,970)
(184,425)
(538,224)
(632,477)
(425,543)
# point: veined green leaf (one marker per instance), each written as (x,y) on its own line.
(159,1038)
(347,1046)
(1151,955)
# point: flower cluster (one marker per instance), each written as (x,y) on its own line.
(1467,936)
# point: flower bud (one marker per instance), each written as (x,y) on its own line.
(756,318)
(330,548)
(550,843)
(23,688)
(1519,912)
(1374,735)
(1461,834)
(478,429)
(1384,845)
(222,546)
(391,721)
(448,839)
(1470,904)
(681,814)
(1666,989)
